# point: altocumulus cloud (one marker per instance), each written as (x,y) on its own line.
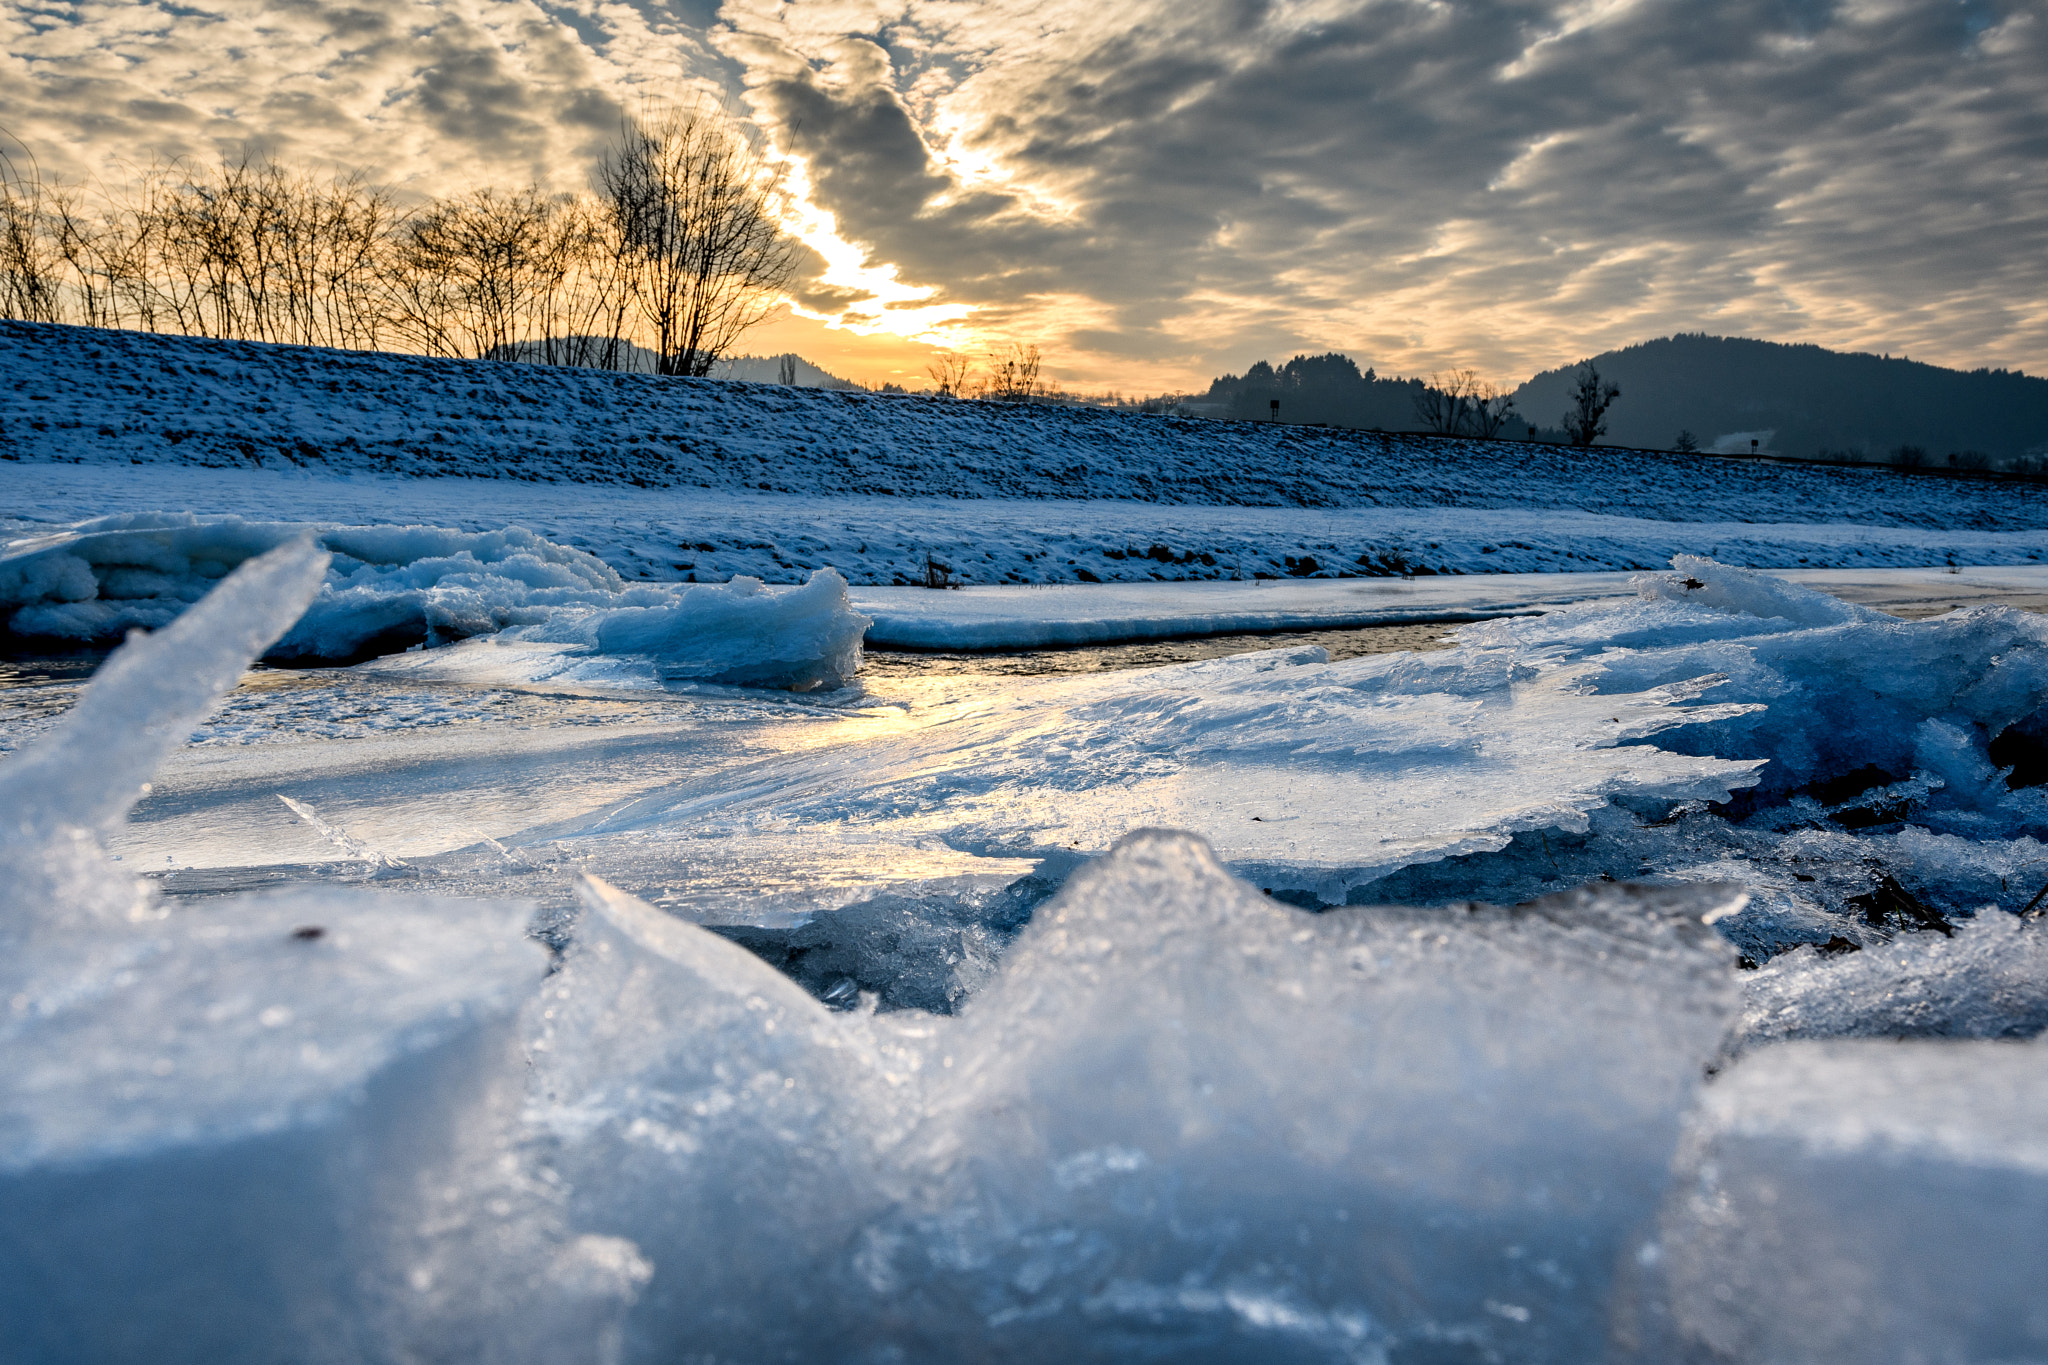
(1157,189)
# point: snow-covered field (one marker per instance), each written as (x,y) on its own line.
(607,967)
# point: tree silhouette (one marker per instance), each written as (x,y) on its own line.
(1586,419)
(1013,375)
(1488,408)
(698,214)
(949,371)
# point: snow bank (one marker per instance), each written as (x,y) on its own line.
(1850,1202)
(706,535)
(128,399)
(393,588)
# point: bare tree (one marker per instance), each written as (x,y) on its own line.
(335,260)
(1443,403)
(476,276)
(211,249)
(697,213)
(785,370)
(949,371)
(1586,420)
(1488,408)
(29,278)
(583,306)
(683,249)
(106,260)
(1013,375)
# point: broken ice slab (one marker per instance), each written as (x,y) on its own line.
(1186,1119)
(212,1124)
(1986,978)
(1865,1200)
(702,1106)
(61,796)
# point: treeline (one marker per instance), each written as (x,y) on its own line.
(676,250)
(1330,390)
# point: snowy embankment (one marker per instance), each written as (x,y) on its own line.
(1148,1113)
(687,479)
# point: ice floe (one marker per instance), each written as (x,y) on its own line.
(394,588)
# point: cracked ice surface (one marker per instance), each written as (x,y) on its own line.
(1119,1103)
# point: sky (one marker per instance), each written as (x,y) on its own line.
(1155,192)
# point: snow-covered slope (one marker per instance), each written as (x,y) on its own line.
(73,394)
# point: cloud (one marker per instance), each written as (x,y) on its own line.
(1505,185)
(418,92)
(1159,190)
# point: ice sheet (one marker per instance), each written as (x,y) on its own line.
(216,1125)
(937,1075)
(1052,615)
(1182,1118)
(395,586)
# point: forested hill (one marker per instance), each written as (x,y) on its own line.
(1327,390)
(1804,400)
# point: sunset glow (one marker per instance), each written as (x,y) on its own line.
(1157,195)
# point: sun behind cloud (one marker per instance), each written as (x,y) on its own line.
(1163,191)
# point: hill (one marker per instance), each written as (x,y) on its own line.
(1805,401)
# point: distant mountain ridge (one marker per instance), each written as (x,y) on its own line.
(1803,400)
(1793,400)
